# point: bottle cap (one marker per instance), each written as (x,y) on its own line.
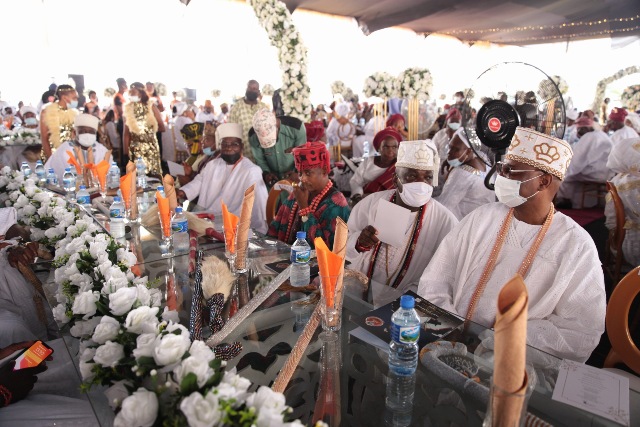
(116,199)
(407,301)
(67,169)
(83,187)
(301,235)
(178,210)
(160,188)
(51,170)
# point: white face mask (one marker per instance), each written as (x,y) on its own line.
(134,98)
(508,191)
(86,139)
(416,194)
(456,163)
(454,126)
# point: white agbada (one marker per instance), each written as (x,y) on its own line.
(625,132)
(567,303)
(464,191)
(436,223)
(204,117)
(335,131)
(589,163)
(58,160)
(220,181)
(366,172)
(624,160)
(441,139)
(369,134)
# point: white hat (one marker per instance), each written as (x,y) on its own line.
(541,151)
(572,114)
(86,120)
(421,155)
(28,109)
(228,130)
(266,127)
(180,107)
(462,134)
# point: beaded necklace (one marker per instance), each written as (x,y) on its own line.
(304,213)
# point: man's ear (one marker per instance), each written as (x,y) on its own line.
(545,181)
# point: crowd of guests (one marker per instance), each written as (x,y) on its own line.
(458,247)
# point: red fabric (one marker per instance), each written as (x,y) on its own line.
(383,134)
(584,122)
(311,155)
(454,113)
(395,118)
(618,114)
(315,130)
(381,183)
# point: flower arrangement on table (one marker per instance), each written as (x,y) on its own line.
(26,136)
(414,83)
(379,84)
(274,17)
(154,373)
(338,88)
(161,89)
(267,90)
(216,93)
(631,98)
(110,92)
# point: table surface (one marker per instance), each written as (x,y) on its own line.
(351,373)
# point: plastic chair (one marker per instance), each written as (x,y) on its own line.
(272,199)
(623,349)
(613,247)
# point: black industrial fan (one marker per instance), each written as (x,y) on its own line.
(506,96)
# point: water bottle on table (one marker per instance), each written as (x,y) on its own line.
(83,197)
(141,169)
(69,183)
(365,149)
(114,176)
(180,232)
(300,255)
(40,172)
(116,218)
(403,355)
(52,178)
(26,170)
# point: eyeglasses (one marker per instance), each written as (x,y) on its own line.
(230,145)
(506,170)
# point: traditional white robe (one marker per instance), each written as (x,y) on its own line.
(369,135)
(567,303)
(589,163)
(222,182)
(464,191)
(625,132)
(203,117)
(436,223)
(58,160)
(441,139)
(366,172)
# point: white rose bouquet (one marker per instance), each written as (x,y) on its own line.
(267,90)
(215,93)
(26,136)
(631,98)
(338,88)
(379,84)
(414,83)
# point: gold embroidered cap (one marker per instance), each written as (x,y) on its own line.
(541,151)
(421,155)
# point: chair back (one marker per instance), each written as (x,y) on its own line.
(617,321)
(272,200)
(619,232)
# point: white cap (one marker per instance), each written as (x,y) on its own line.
(266,127)
(541,151)
(28,109)
(228,130)
(572,114)
(86,120)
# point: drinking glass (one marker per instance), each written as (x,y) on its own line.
(330,308)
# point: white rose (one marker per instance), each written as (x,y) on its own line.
(143,297)
(60,314)
(96,248)
(142,320)
(170,348)
(122,300)
(170,315)
(140,410)
(201,411)
(86,370)
(145,345)
(200,367)
(107,330)
(201,351)
(109,354)
(268,418)
(126,257)
(85,328)
(117,393)
(155,297)
(85,303)
(233,386)
(266,399)
(29,210)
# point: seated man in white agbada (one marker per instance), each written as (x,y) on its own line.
(226,178)
(84,147)
(392,269)
(524,234)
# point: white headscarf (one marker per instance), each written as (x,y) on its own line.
(625,157)
(634,121)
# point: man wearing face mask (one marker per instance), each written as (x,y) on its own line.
(84,147)
(441,139)
(242,112)
(589,164)
(32,153)
(207,153)
(464,188)
(56,120)
(227,177)
(394,270)
(524,234)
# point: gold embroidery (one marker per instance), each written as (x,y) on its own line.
(514,142)
(546,153)
(59,123)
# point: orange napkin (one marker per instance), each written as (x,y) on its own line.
(131,170)
(72,161)
(230,223)
(125,189)
(510,349)
(101,170)
(330,266)
(165,214)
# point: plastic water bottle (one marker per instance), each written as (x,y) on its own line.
(25,169)
(40,172)
(83,198)
(69,183)
(365,149)
(52,178)
(180,232)
(300,255)
(114,176)
(116,218)
(141,168)
(403,355)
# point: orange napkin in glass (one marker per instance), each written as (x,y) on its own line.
(165,214)
(72,161)
(330,266)
(101,170)
(125,189)
(230,223)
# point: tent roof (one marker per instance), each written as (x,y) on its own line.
(516,22)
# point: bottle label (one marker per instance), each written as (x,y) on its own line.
(84,200)
(116,213)
(405,334)
(180,227)
(300,257)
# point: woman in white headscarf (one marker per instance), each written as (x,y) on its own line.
(464,189)
(624,160)
(184,116)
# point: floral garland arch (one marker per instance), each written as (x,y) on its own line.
(602,84)
(292,54)
(631,97)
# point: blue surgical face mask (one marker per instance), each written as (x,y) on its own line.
(30,121)
(72,104)
(207,151)
(456,163)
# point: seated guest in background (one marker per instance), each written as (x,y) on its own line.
(341,130)
(227,177)
(272,140)
(397,121)
(224,113)
(464,189)
(32,153)
(207,153)
(315,131)
(443,136)
(589,164)
(624,161)
(207,114)
(393,268)
(618,124)
(524,234)
(377,173)
(314,204)
(84,146)
(184,117)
